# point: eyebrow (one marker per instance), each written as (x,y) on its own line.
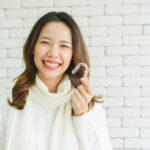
(48,38)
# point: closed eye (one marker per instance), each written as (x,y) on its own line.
(65,46)
(44,42)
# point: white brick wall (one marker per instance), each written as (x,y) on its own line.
(117,34)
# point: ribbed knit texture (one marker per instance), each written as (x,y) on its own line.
(91,128)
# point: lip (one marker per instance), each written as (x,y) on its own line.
(52,61)
(50,67)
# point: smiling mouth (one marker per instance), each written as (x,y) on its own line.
(49,65)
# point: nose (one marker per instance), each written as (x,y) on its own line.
(53,51)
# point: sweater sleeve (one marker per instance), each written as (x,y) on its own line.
(3,116)
(92,129)
(2,105)
(1,126)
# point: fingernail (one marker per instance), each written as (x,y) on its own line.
(82,79)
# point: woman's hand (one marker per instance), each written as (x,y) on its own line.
(81,97)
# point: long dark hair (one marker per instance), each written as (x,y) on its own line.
(27,78)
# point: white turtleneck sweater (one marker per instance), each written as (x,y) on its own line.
(92,131)
(91,128)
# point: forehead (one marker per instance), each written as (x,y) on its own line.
(56,31)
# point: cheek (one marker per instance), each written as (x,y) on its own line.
(39,52)
(68,56)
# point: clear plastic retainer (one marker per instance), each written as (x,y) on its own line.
(78,66)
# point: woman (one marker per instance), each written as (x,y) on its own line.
(49,108)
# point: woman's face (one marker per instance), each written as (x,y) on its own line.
(53,50)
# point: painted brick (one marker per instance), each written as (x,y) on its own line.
(11,23)
(3,53)
(19,33)
(145,71)
(70,3)
(15,53)
(137,60)
(124,132)
(13,72)
(105,20)
(11,43)
(102,2)
(106,81)
(135,1)
(97,71)
(123,71)
(10,4)
(145,132)
(145,112)
(3,73)
(123,91)
(93,31)
(36,3)
(136,19)
(144,50)
(136,122)
(121,9)
(4,63)
(106,41)
(137,143)
(125,30)
(44,10)
(21,13)
(2,13)
(4,33)
(81,21)
(106,61)
(117,143)
(114,102)
(88,11)
(136,40)
(114,122)
(137,102)
(124,112)
(6,82)
(122,50)
(96,51)
(136,81)
(145,91)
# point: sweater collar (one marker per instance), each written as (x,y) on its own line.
(40,93)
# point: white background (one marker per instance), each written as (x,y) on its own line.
(117,34)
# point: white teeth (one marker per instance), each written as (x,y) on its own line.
(51,65)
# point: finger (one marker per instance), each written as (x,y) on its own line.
(87,86)
(75,102)
(86,78)
(84,93)
(79,96)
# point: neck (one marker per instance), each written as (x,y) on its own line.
(52,83)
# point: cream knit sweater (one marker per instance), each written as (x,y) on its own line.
(91,128)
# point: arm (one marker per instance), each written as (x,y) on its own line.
(2,101)
(92,129)
(1,126)
(3,116)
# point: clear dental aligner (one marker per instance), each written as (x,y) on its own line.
(78,66)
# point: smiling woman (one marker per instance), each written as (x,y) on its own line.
(53,53)
(50,108)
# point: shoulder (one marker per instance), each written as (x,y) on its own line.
(4,106)
(3,101)
(4,109)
